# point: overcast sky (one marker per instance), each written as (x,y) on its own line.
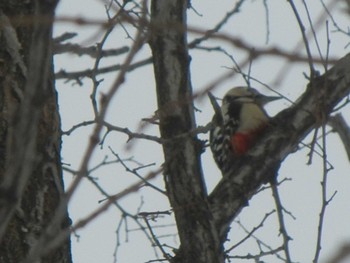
(136,100)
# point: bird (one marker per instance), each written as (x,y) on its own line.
(237,124)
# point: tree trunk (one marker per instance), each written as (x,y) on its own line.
(30,165)
(182,168)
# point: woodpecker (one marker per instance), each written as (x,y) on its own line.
(237,124)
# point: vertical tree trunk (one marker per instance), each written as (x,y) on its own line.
(182,169)
(30,166)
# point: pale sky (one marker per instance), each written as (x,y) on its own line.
(136,100)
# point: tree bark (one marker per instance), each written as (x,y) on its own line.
(182,168)
(183,176)
(30,165)
(287,130)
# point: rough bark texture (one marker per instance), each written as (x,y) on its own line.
(186,191)
(30,166)
(182,169)
(287,130)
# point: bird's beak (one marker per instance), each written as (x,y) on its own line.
(266,99)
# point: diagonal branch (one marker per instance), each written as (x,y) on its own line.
(288,128)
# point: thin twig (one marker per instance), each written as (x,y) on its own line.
(251,232)
(306,42)
(267,15)
(125,215)
(261,243)
(325,200)
(282,225)
(134,172)
(260,255)
(91,51)
(335,24)
(77,75)
(156,241)
(313,30)
(209,33)
(312,146)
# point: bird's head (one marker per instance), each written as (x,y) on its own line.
(247,95)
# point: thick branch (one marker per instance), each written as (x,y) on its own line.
(182,169)
(287,129)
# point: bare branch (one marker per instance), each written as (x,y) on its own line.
(325,200)
(283,228)
(251,233)
(219,25)
(306,42)
(53,242)
(262,245)
(257,257)
(91,51)
(289,128)
(156,241)
(134,172)
(62,74)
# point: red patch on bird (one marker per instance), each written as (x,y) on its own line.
(242,142)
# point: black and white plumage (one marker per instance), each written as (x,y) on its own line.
(237,123)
